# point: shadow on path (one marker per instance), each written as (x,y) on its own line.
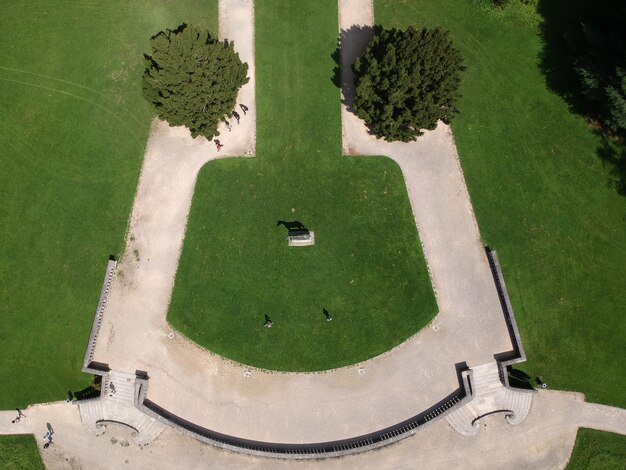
(351,45)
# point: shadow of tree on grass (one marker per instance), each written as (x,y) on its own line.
(569,45)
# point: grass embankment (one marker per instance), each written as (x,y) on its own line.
(20,453)
(366,269)
(541,195)
(73,130)
(598,450)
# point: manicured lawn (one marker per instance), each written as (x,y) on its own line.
(367,267)
(19,453)
(598,450)
(541,195)
(73,129)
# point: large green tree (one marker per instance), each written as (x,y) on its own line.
(406,81)
(192,79)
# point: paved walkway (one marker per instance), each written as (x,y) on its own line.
(545,441)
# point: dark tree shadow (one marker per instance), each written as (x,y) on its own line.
(613,154)
(336,56)
(352,44)
(564,42)
(166,32)
(93,391)
(520,379)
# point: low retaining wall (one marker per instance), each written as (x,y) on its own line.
(509,316)
(88,365)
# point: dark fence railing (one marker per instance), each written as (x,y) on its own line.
(306,450)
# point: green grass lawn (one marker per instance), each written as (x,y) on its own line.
(19,453)
(367,267)
(598,450)
(73,129)
(542,197)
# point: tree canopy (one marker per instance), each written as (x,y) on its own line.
(406,81)
(192,79)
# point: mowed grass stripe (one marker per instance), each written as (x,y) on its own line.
(367,267)
(541,196)
(73,130)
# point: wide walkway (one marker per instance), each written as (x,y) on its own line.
(278,407)
(544,441)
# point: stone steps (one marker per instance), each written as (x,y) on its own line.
(461,421)
(91,411)
(117,403)
(148,429)
(519,403)
(486,378)
(123,389)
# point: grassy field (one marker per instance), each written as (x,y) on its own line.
(542,197)
(366,269)
(598,450)
(73,130)
(19,453)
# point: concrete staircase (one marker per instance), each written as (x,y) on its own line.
(120,388)
(519,403)
(117,404)
(91,412)
(461,420)
(490,396)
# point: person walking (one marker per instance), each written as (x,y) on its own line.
(236,116)
(244,108)
(218,144)
(19,416)
(228,126)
